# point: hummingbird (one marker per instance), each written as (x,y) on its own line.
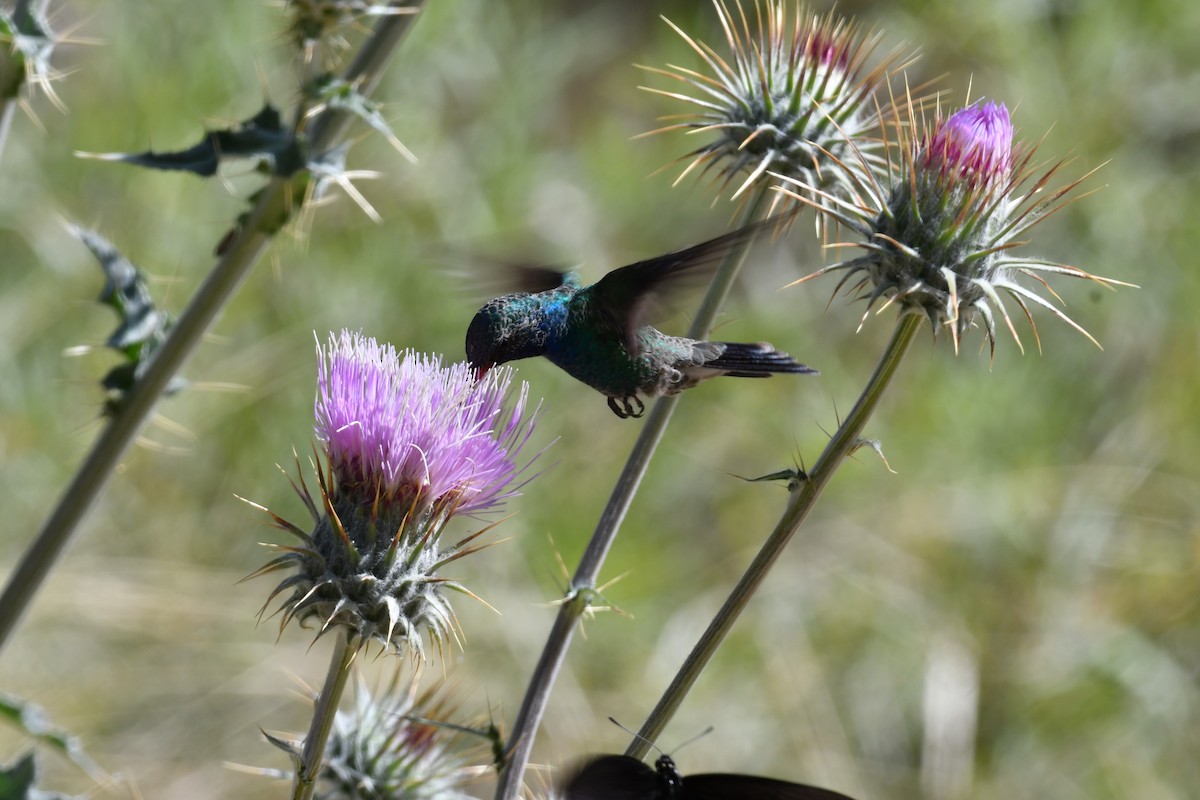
(598,334)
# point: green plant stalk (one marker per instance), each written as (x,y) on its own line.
(801,502)
(8,107)
(582,589)
(275,204)
(324,713)
(12,78)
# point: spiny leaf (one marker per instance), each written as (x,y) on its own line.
(875,445)
(124,290)
(286,746)
(491,733)
(32,720)
(332,92)
(793,476)
(16,782)
(263,136)
(142,327)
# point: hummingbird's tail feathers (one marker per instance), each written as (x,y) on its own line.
(757,360)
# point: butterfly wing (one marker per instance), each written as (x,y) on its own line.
(721,786)
(612,777)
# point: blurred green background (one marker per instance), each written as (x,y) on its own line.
(1015,613)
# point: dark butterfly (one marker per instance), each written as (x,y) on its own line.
(625,778)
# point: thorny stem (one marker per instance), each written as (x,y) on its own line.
(799,505)
(581,591)
(242,253)
(324,713)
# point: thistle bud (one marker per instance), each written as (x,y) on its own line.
(379,749)
(940,223)
(26,44)
(313,21)
(792,95)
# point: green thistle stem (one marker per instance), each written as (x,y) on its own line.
(12,78)
(324,713)
(581,591)
(8,107)
(799,505)
(276,204)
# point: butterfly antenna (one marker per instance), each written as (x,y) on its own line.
(637,735)
(699,735)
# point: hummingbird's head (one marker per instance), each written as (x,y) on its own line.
(481,343)
(502,331)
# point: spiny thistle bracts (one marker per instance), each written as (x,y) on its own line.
(408,444)
(795,96)
(313,21)
(26,44)
(393,743)
(380,750)
(940,223)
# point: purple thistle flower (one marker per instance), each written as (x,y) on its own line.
(418,432)
(940,223)
(409,444)
(974,145)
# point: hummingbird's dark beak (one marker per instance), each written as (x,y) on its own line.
(481,371)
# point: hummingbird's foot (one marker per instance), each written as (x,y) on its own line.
(625,409)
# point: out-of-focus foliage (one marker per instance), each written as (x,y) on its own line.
(17,782)
(1015,613)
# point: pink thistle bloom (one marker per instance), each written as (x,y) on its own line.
(974,145)
(410,443)
(417,431)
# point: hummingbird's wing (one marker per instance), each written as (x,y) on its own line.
(480,276)
(506,277)
(625,295)
(533,279)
